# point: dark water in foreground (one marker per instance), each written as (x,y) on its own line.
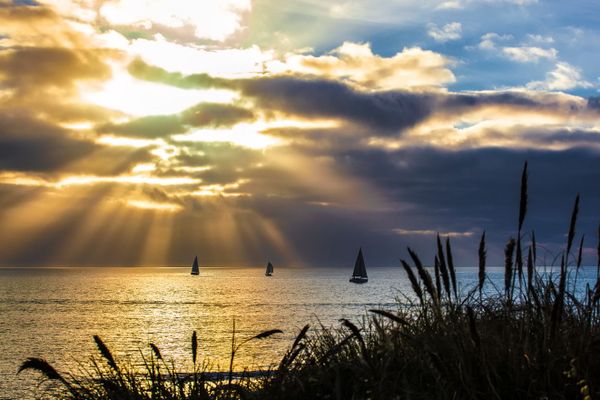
(53,313)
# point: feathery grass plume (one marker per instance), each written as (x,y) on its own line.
(391,316)
(508,266)
(356,332)
(523,197)
(301,335)
(106,353)
(443,268)
(413,280)
(194,347)
(424,275)
(519,260)
(438,283)
(293,352)
(451,267)
(156,351)
(482,257)
(572,224)
(265,334)
(41,365)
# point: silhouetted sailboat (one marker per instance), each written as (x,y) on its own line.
(195,269)
(269,270)
(359,275)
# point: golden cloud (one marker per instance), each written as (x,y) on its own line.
(411,69)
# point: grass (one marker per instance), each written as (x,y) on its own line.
(537,337)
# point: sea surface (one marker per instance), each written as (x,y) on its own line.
(53,313)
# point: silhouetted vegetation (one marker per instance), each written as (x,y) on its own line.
(537,337)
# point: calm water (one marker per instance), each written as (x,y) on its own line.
(53,313)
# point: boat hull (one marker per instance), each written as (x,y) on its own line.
(268,274)
(195,273)
(359,280)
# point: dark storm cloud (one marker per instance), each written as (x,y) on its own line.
(518,100)
(216,115)
(385,112)
(202,115)
(594,103)
(33,68)
(434,190)
(318,98)
(28,144)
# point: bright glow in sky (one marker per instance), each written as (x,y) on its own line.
(290,127)
(139,98)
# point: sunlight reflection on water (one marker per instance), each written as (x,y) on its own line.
(53,313)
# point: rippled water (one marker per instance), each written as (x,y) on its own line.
(53,313)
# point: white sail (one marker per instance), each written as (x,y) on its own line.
(195,268)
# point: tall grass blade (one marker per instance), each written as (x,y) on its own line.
(451,267)
(530,268)
(194,347)
(572,225)
(519,260)
(523,197)
(557,308)
(508,267)
(443,268)
(294,351)
(482,259)
(598,255)
(391,316)
(156,351)
(438,283)
(580,252)
(356,332)
(42,366)
(473,328)
(266,334)
(424,275)
(106,353)
(534,248)
(301,336)
(413,280)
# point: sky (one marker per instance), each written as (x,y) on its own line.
(139,132)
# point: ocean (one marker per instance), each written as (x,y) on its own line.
(53,313)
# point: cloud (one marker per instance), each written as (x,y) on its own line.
(29,144)
(564,76)
(529,54)
(488,41)
(451,31)
(211,20)
(540,38)
(29,69)
(450,5)
(201,115)
(412,68)
(430,232)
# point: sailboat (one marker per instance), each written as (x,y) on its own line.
(195,269)
(269,270)
(359,275)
